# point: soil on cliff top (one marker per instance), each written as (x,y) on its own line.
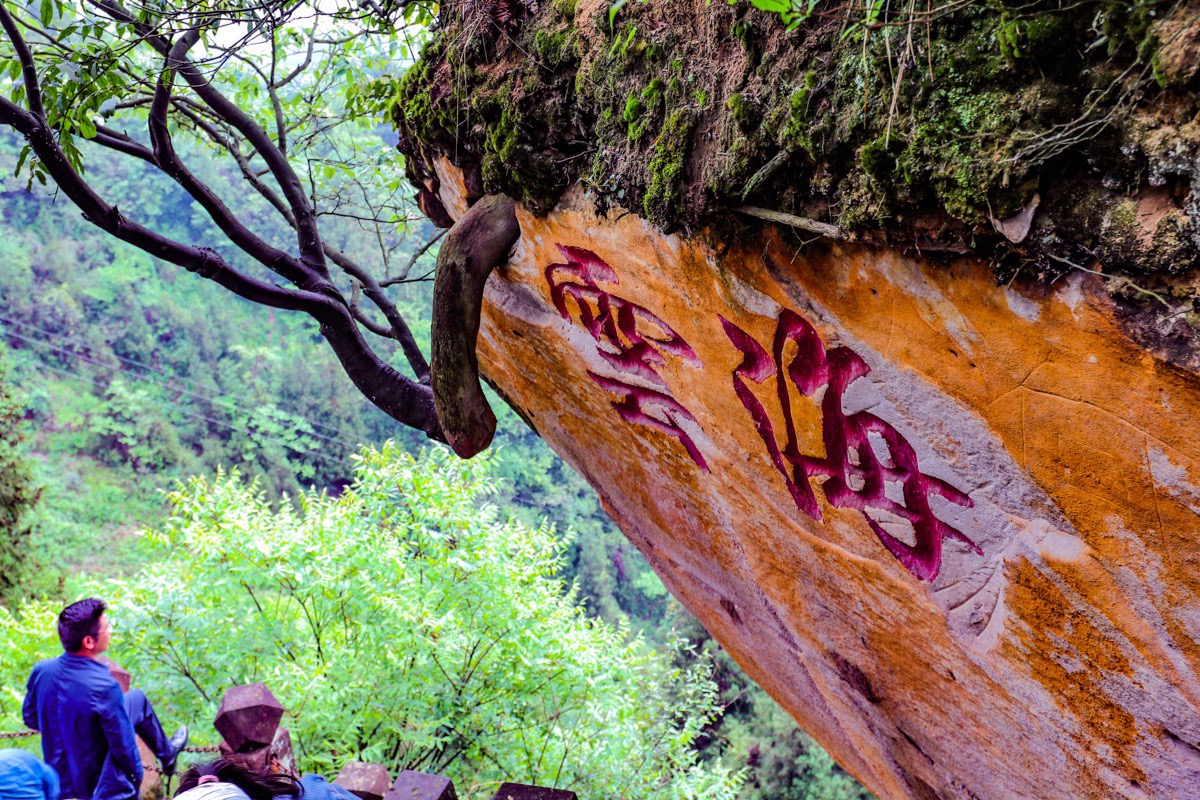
(1043,136)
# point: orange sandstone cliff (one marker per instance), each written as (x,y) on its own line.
(946,512)
(950,525)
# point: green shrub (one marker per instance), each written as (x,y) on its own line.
(403,623)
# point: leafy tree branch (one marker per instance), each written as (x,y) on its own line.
(268,99)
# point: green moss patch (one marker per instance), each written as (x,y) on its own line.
(683,110)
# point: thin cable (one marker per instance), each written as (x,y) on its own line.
(169,376)
(165,385)
(185,412)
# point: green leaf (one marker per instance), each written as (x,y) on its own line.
(775,6)
(87,128)
(613,10)
(47,14)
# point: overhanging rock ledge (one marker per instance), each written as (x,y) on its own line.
(948,524)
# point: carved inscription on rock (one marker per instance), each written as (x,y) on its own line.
(631,338)
(868,465)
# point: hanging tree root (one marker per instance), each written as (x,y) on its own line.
(478,243)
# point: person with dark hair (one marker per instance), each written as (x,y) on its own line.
(24,777)
(87,723)
(232,778)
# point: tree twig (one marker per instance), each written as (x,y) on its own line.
(803,223)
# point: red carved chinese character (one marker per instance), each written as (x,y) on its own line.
(629,337)
(858,472)
(635,402)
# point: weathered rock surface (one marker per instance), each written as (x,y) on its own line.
(949,525)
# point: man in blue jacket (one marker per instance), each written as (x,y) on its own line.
(87,724)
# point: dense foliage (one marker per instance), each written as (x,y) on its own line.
(18,496)
(405,623)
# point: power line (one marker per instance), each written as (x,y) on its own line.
(142,379)
(185,412)
(155,370)
(166,385)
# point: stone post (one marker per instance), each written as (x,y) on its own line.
(364,781)
(421,786)
(248,721)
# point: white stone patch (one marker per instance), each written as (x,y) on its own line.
(897,526)
(1170,476)
(752,299)
(1021,305)
(1059,546)
(1189,617)
(862,395)
(1070,293)
(819,395)
(1141,581)
(995,623)
(937,308)
(880,448)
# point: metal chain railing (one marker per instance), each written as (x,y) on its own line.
(27,734)
(18,734)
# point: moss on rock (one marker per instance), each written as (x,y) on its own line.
(683,110)
(668,157)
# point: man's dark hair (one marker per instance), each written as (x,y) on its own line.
(79,620)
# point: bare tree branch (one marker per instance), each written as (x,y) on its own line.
(230,146)
(412,262)
(213,116)
(122,143)
(312,254)
(400,330)
(303,65)
(281,128)
(167,159)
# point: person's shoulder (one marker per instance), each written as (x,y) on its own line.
(48,663)
(84,677)
(44,666)
(20,769)
(315,787)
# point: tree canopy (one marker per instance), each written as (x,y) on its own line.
(287,90)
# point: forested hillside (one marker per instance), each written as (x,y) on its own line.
(133,374)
